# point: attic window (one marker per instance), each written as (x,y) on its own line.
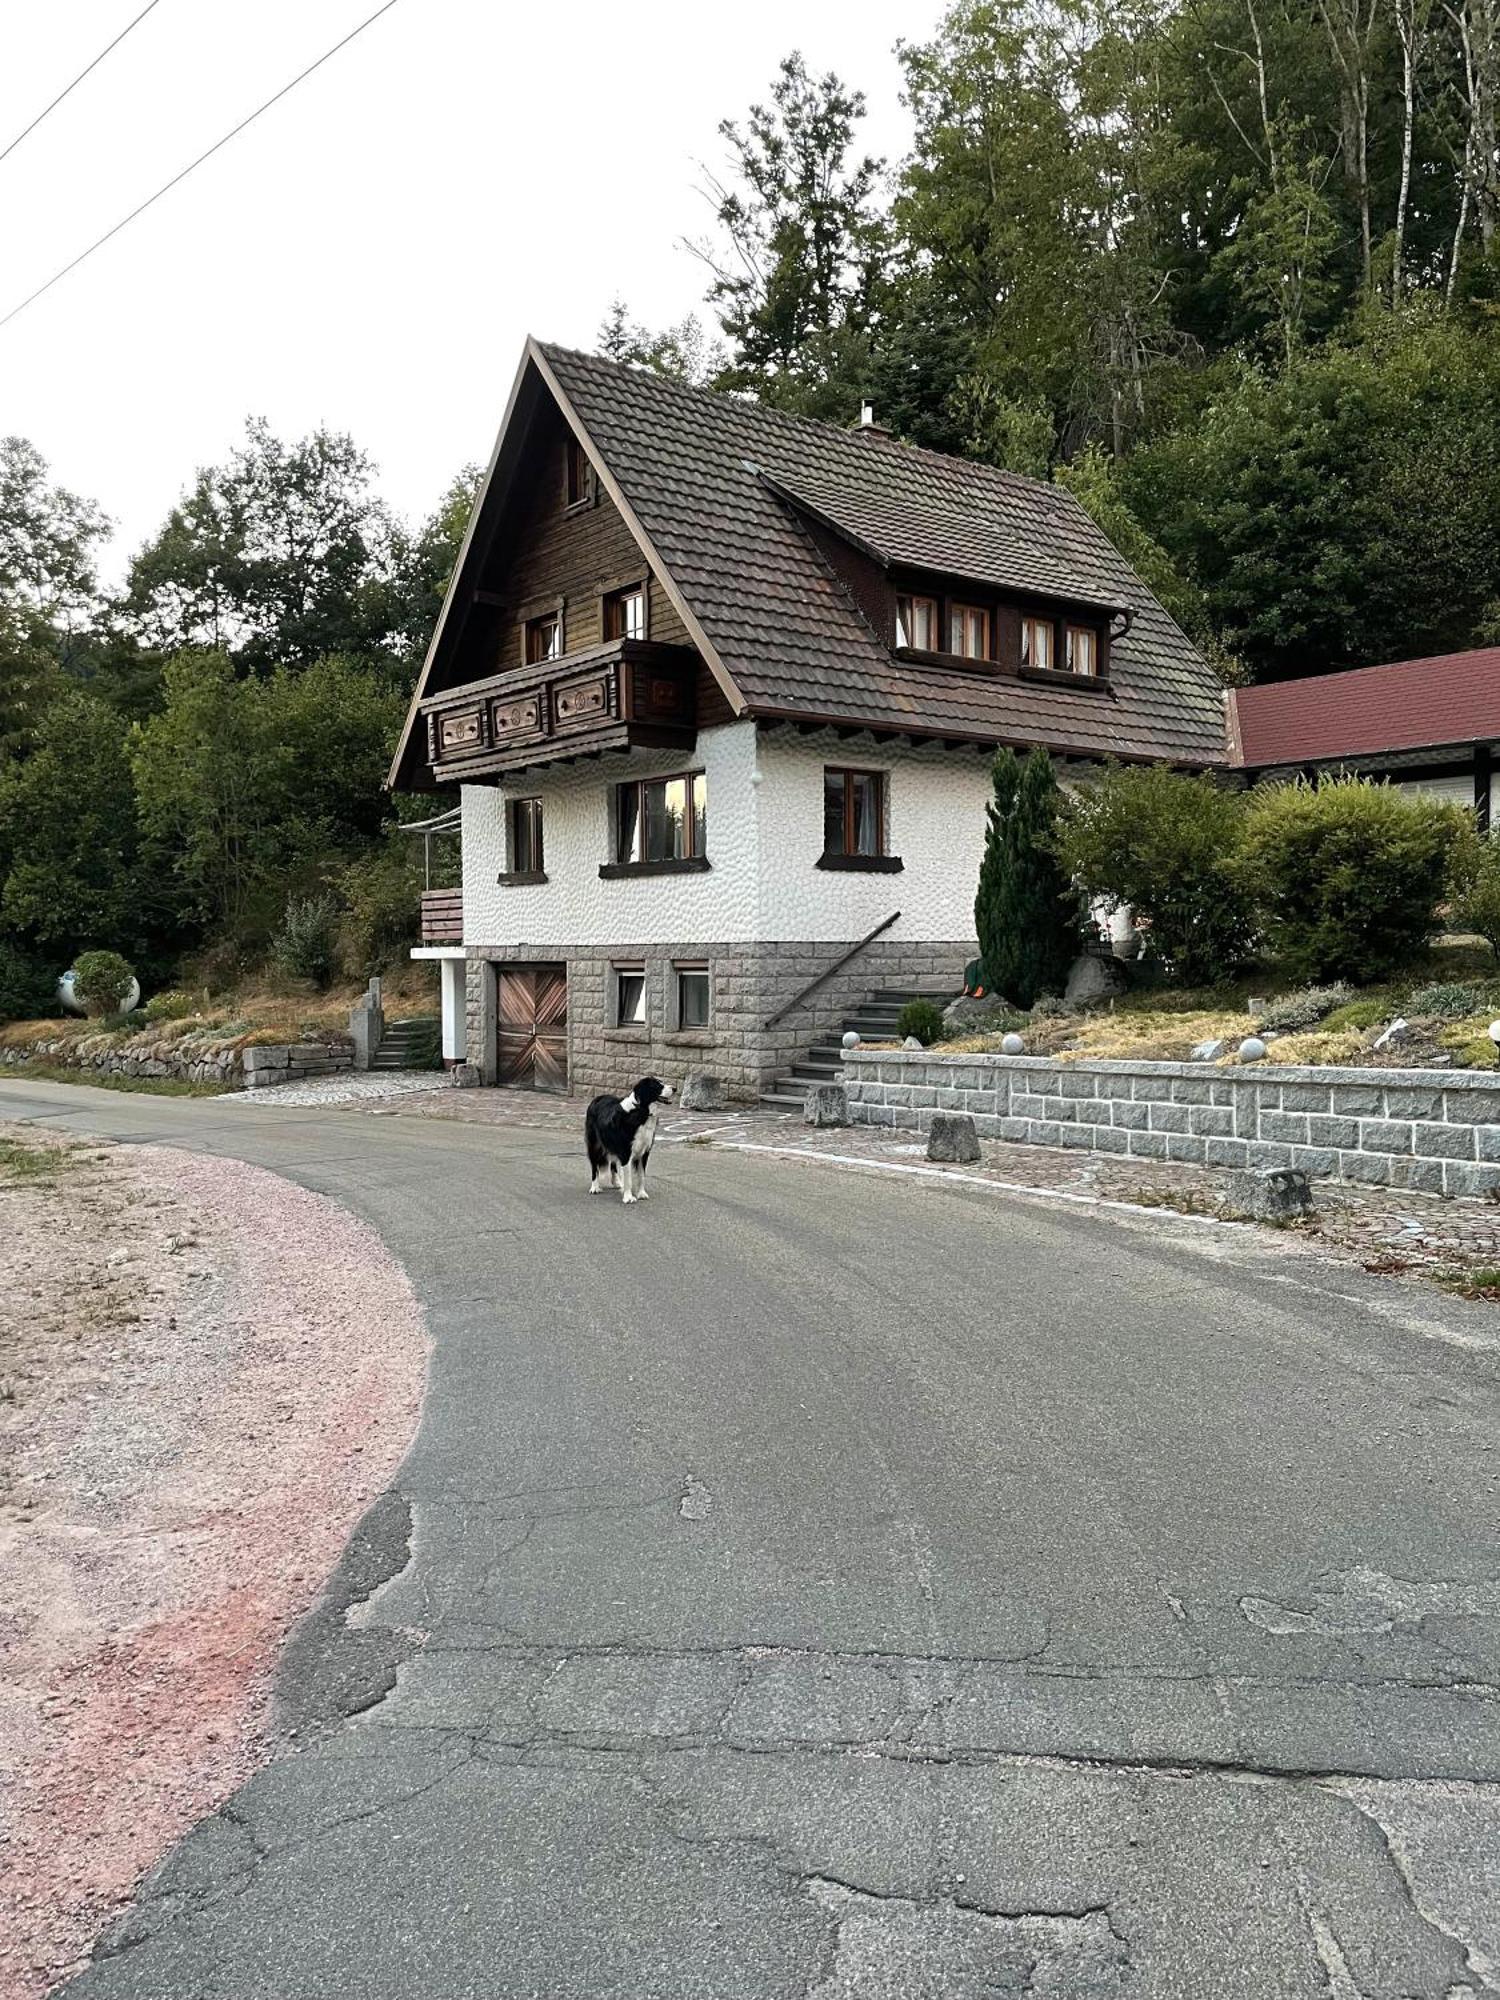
(969,631)
(544,638)
(1083,650)
(625,613)
(917,623)
(580,475)
(1036,642)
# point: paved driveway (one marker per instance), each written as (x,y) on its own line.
(823,1585)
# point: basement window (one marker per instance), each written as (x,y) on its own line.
(692,995)
(630,996)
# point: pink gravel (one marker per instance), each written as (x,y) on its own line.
(206,1375)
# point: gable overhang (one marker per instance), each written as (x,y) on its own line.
(534,380)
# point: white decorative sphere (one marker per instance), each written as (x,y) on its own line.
(1495,1031)
(68,1000)
(851,1039)
(1012,1045)
(1252,1048)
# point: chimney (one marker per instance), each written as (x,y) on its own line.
(867,422)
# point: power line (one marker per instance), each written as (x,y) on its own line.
(77,80)
(193,165)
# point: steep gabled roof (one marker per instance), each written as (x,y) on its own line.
(1449,698)
(718,492)
(701,469)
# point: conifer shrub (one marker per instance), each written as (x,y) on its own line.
(1025,913)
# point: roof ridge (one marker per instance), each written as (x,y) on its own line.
(674,384)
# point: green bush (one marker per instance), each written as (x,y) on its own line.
(1448,999)
(1359,1014)
(1475,887)
(172,1005)
(1348,875)
(26,989)
(1294,1011)
(1170,847)
(101,980)
(922,1018)
(306,946)
(1025,915)
(382,901)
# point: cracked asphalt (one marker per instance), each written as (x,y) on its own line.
(817,1585)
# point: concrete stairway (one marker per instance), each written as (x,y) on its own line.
(874,1020)
(409,1044)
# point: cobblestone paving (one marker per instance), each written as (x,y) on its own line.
(1380,1228)
(348,1087)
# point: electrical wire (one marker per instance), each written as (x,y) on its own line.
(78,79)
(193,165)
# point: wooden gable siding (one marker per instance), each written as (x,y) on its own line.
(546,553)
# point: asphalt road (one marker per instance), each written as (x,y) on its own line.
(816,1584)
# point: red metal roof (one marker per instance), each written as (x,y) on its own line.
(1405,705)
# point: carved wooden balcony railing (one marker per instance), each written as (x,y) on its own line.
(442,916)
(630,693)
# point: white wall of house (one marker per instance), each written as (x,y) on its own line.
(573,906)
(765,834)
(935,821)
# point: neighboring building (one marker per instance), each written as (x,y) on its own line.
(1428,725)
(718,690)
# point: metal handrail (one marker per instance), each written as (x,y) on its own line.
(443,822)
(838,966)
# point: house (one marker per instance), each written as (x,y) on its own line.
(717,690)
(1430,725)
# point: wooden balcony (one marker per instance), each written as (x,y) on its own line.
(442,916)
(628,694)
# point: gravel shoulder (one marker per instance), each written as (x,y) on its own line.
(206,1376)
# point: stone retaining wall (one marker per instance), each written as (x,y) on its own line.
(1437,1131)
(197,1059)
(289,1062)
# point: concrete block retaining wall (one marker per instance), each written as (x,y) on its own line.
(1436,1131)
(289,1062)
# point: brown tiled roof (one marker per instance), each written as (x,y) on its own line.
(698,469)
(1448,698)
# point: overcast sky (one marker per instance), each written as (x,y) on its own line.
(372,252)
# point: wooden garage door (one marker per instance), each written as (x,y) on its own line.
(532,1009)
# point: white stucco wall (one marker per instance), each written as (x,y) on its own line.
(935,821)
(765,833)
(573,906)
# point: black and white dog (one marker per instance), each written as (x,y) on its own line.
(618,1132)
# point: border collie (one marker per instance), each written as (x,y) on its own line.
(618,1132)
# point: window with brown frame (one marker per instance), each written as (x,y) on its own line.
(580,474)
(662,819)
(853,812)
(917,623)
(969,631)
(625,613)
(544,638)
(1082,649)
(1036,642)
(526,837)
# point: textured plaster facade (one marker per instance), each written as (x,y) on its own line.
(764,916)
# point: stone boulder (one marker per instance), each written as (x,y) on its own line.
(826,1104)
(971,1012)
(701,1092)
(1270,1194)
(1091,977)
(952,1138)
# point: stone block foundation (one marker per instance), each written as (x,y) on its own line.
(748,983)
(1434,1131)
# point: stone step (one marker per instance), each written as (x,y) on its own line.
(786,1100)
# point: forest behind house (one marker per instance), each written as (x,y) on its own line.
(1229,270)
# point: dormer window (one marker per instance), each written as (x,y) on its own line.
(1036,643)
(917,623)
(580,475)
(544,638)
(969,631)
(1083,649)
(625,613)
